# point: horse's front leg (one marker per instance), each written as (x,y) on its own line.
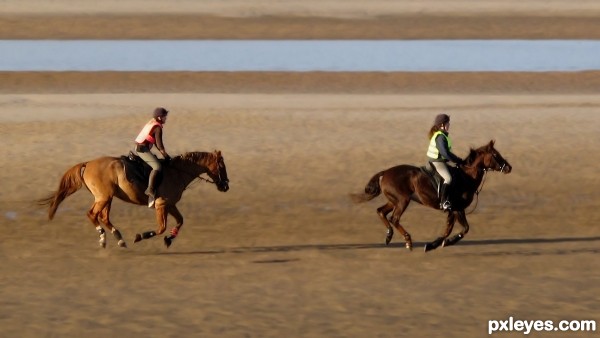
(161,219)
(462,219)
(442,240)
(173,211)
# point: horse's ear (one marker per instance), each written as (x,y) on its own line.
(491,145)
(217,152)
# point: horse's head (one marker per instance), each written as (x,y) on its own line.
(490,159)
(218,171)
(196,163)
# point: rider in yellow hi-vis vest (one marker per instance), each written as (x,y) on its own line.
(439,153)
(150,135)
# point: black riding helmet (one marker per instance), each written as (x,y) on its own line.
(441,119)
(160,112)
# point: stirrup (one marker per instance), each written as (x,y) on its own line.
(151,201)
(446,206)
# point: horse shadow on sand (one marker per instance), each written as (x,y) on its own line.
(533,248)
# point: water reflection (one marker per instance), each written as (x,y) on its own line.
(300,55)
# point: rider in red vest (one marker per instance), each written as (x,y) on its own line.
(150,135)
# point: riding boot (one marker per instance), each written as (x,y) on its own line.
(151,191)
(444,200)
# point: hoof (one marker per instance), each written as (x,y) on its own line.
(103,245)
(138,238)
(409,246)
(168,241)
(388,236)
(122,244)
(453,240)
(428,247)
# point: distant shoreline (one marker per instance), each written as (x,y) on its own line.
(302,82)
(289,26)
(311,19)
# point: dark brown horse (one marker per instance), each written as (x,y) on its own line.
(405,183)
(106,178)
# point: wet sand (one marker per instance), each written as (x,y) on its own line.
(586,82)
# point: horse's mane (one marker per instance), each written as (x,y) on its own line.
(472,156)
(474,153)
(193,156)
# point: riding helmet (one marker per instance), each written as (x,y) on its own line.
(159,112)
(441,119)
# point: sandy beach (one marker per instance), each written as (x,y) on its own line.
(285,252)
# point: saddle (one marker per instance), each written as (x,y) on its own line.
(137,170)
(435,178)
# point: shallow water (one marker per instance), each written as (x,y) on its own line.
(300,55)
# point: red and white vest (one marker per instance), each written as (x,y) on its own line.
(145,134)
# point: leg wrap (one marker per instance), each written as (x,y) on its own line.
(148,234)
(117,234)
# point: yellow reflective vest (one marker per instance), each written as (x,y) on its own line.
(432,151)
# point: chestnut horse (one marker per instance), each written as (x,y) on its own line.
(105,178)
(405,183)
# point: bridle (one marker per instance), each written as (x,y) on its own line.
(478,190)
(200,178)
(502,167)
(220,179)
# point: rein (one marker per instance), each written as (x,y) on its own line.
(206,180)
(481,187)
(478,191)
(196,177)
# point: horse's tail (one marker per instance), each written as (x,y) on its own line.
(372,190)
(71,181)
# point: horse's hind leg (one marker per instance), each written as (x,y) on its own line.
(105,218)
(398,211)
(383,211)
(462,219)
(92,214)
(442,240)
